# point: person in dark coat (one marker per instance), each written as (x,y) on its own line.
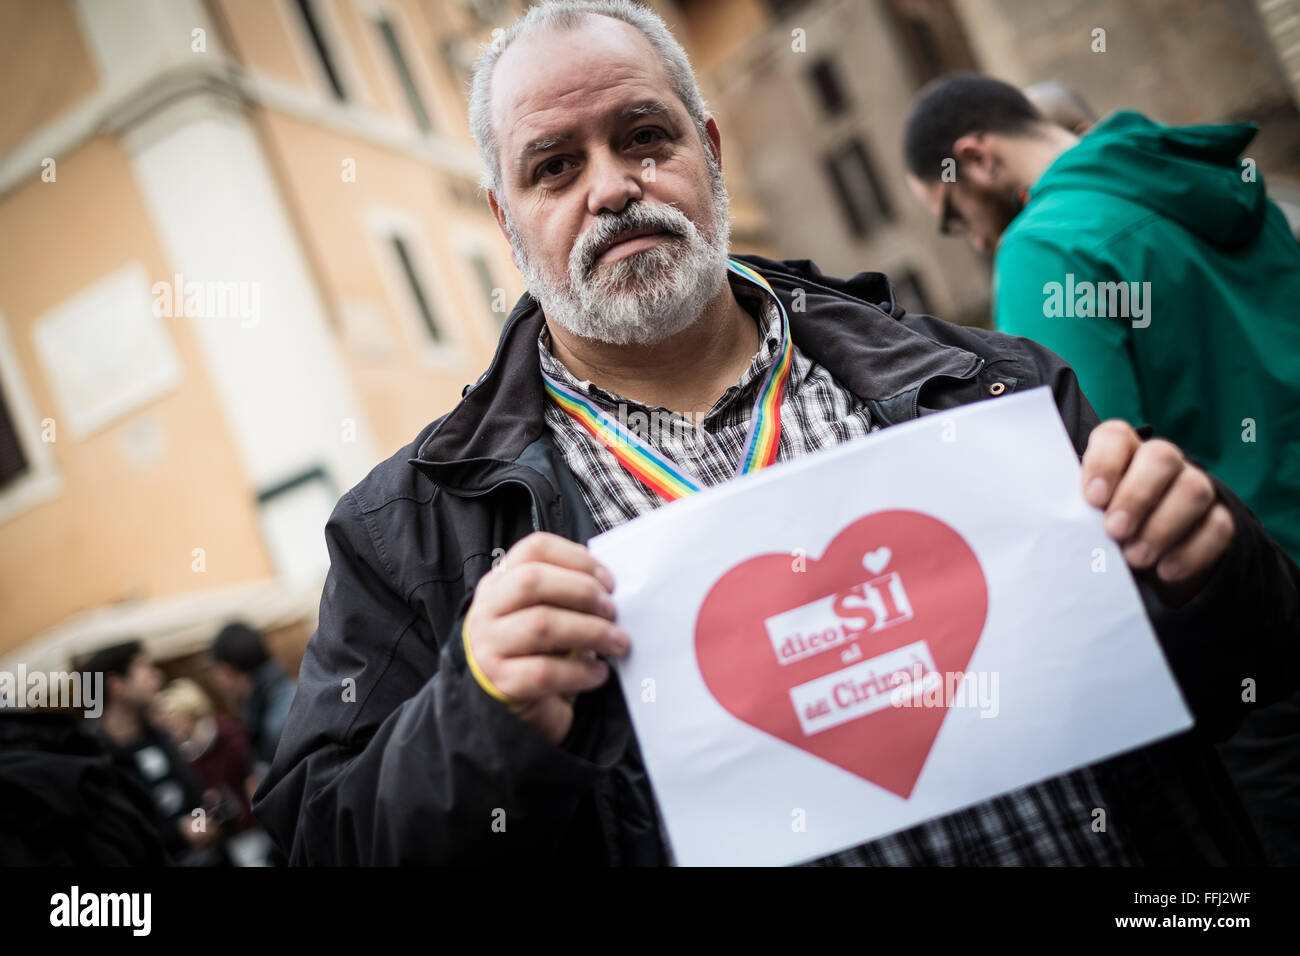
(147,754)
(459,677)
(63,800)
(245,672)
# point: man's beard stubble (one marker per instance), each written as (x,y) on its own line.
(642,298)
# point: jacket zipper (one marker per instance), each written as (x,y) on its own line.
(535,507)
(602,797)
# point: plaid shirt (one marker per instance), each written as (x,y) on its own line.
(1049,823)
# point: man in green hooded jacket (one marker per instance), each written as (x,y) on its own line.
(1150,259)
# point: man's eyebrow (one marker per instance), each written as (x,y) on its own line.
(645,108)
(546,143)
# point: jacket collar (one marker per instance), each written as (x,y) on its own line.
(849,326)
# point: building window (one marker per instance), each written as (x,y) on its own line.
(826,82)
(402,67)
(291,515)
(311,21)
(415,287)
(930,33)
(857,186)
(920,41)
(28,475)
(457,57)
(13,461)
(411,271)
(780,9)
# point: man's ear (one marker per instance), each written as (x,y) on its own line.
(974,153)
(499,213)
(715,137)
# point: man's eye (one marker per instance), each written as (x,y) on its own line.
(654,131)
(552,167)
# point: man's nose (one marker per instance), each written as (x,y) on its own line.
(613,183)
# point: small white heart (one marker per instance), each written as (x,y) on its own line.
(876,561)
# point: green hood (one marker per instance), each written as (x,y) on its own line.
(1188,173)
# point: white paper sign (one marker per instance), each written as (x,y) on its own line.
(848,644)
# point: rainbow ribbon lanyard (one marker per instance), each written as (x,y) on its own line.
(669,480)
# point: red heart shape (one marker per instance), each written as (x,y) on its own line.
(776,644)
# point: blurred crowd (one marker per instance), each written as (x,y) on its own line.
(161,777)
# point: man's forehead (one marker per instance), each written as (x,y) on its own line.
(544,77)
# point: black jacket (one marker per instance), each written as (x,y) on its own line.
(64,802)
(415,763)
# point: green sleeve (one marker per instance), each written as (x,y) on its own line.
(1097,348)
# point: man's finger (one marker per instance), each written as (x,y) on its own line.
(543,675)
(553,549)
(537,583)
(1111,447)
(1150,473)
(542,629)
(1182,509)
(1200,550)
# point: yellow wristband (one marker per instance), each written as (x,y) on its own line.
(490,688)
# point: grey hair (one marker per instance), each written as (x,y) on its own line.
(568,15)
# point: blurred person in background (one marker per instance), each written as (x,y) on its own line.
(147,753)
(1186,316)
(1211,356)
(1062,105)
(256,685)
(218,753)
(214,745)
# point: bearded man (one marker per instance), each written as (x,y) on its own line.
(477,626)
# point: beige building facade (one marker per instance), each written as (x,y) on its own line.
(243,257)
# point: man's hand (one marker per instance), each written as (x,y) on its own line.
(1161,509)
(536,624)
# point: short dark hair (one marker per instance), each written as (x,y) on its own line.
(241,647)
(950,107)
(112,661)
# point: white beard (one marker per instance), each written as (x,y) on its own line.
(647,296)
